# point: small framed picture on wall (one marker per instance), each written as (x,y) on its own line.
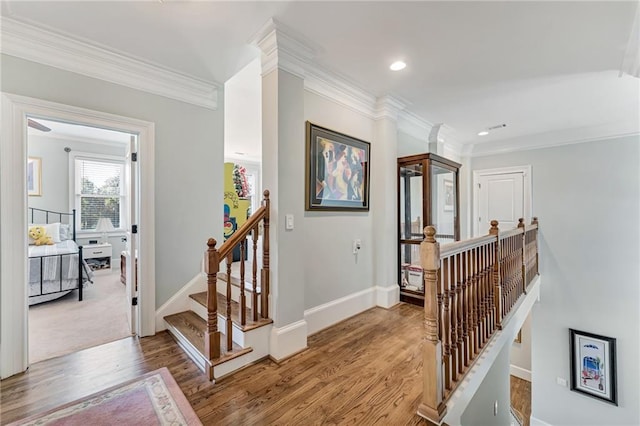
(593,365)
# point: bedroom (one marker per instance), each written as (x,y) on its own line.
(83,168)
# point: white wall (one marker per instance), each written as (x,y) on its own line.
(587,198)
(410,145)
(188,163)
(331,270)
(521,352)
(494,387)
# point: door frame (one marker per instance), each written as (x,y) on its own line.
(528,202)
(14,335)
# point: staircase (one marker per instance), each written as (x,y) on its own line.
(227,327)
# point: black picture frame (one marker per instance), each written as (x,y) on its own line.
(337,171)
(593,365)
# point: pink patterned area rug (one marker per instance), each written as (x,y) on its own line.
(152,399)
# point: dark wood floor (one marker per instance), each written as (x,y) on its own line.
(361,371)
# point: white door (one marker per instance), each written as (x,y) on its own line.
(501,197)
(131,177)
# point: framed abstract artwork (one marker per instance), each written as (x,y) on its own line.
(593,365)
(34,176)
(337,171)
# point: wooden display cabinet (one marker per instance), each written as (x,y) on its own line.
(428,195)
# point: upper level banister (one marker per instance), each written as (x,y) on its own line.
(451,249)
(530,227)
(510,233)
(242,233)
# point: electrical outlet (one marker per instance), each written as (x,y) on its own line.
(357,245)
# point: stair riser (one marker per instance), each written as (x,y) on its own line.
(235,294)
(258,339)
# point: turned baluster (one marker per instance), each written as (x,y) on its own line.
(229,328)
(432,405)
(212,335)
(535,237)
(461,342)
(468,332)
(264,279)
(444,273)
(254,281)
(497,288)
(454,318)
(243,298)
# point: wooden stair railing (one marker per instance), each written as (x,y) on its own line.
(214,256)
(471,288)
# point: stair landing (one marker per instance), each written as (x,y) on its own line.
(201,298)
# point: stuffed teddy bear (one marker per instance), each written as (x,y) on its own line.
(39,234)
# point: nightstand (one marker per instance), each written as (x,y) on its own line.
(98,256)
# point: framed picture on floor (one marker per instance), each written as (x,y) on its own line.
(337,171)
(593,365)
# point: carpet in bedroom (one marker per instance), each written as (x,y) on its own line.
(65,325)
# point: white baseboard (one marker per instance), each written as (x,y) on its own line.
(386,297)
(537,422)
(522,373)
(288,340)
(323,316)
(179,302)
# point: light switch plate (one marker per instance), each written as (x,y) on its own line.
(288,222)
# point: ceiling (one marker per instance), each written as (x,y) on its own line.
(540,67)
(59,129)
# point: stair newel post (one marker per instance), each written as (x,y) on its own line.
(264,279)
(432,406)
(535,222)
(243,298)
(254,282)
(497,288)
(524,256)
(229,328)
(212,335)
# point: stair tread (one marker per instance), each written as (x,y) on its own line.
(193,328)
(201,298)
(235,281)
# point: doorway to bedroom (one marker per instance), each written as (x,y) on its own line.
(81,191)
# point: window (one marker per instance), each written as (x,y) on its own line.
(99,192)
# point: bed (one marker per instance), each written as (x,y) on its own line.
(56,270)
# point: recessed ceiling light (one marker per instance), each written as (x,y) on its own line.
(483,133)
(397,66)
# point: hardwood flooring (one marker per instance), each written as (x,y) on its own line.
(363,371)
(521,398)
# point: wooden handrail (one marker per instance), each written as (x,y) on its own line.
(450,249)
(213,257)
(470,289)
(243,232)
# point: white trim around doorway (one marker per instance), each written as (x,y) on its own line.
(13,217)
(528,203)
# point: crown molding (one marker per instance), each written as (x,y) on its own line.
(51,48)
(555,139)
(388,107)
(282,48)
